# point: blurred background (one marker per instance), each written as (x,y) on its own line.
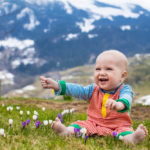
(61,39)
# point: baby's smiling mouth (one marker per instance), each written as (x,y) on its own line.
(103,79)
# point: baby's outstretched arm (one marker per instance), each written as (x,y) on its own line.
(49,83)
(112,104)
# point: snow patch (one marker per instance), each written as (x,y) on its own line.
(6,8)
(138,57)
(13,46)
(71,36)
(90,36)
(86,25)
(125,27)
(33,21)
(6,77)
(15,43)
(25,89)
(145,100)
(29,88)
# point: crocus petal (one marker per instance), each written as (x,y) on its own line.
(28,121)
(37,124)
(23,124)
(86,137)
(45,122)
(61,120)
(50,121)
(35,117)
(21,112)
(59,116)
(114,134)
(28,112)
(10,122)
(2,132)
(43,108)
(77,132)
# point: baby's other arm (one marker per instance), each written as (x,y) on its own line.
(75,90)
(49,83)
(79,91)
(124,102)
(113,105)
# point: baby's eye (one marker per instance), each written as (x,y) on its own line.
(109,68)
(98,69)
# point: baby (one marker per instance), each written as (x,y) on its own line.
(109,100)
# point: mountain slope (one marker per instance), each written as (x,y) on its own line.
(138,77)
(46,35)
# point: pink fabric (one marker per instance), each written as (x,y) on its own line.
(114,121)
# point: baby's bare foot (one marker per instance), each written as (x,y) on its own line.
(136,137)
(140,133)
(59,128)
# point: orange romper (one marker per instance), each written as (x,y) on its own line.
(103,121)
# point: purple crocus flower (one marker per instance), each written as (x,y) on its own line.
(60,117)
(28,121)
(114,134)
(77,132)
(37,124)
(23,124)
(86,137)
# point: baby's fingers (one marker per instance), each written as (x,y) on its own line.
(113,106)
(108,104)
(42,78)
(44,85)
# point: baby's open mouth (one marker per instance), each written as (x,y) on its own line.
(103,79)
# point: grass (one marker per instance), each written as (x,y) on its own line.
(44,138)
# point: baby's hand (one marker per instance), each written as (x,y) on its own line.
(49,83)
(113,105)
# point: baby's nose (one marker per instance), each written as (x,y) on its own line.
(102,72)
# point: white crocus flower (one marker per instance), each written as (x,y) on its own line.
(28,112)
(21,112)
(83,131)
(36,113)
(11,108)
(3,105)
(10,122)
(35,117)
(2,132)
(72,110)
(50,121)
(63,112)
(17,107)
(67,111)
(8,108)
(45,122)
(43,108)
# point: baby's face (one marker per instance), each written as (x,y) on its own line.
(109,72)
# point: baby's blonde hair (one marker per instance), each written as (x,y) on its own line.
(117,55)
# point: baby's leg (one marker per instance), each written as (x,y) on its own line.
(137,136)
(61,129)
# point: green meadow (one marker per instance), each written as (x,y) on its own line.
(43,138)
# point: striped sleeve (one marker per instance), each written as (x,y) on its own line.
(126,93)
(75,90)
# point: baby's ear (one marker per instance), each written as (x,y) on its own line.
(124,75)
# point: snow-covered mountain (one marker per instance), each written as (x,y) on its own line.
(37,36)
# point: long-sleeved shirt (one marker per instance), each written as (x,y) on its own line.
(85,93)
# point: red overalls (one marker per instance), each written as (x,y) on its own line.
(103,121)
